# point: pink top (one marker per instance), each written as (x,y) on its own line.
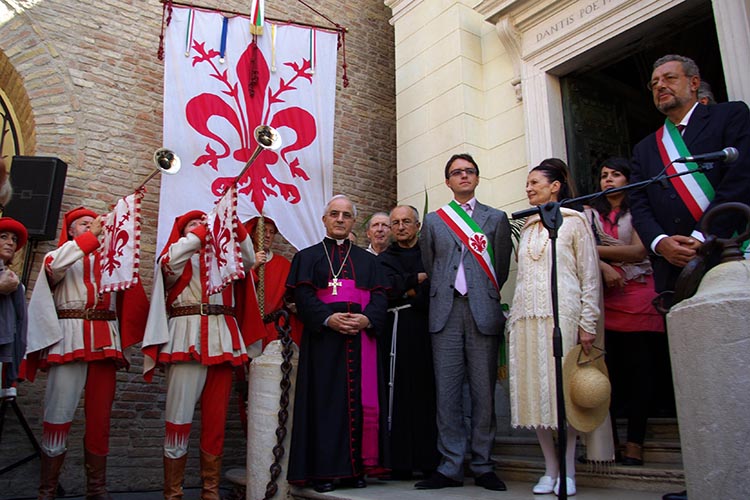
(629,309)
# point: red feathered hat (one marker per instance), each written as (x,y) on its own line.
(179,225)
(69,218)
(15,227)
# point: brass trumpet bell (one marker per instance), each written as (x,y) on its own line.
(267,137)
(167,161)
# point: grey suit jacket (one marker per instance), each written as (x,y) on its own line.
(441,253)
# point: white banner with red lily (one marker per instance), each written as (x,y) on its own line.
(218,87)
(222,257)
(121,246)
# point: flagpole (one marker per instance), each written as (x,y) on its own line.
(338,28)
(260,239)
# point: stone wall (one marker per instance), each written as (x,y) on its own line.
(87,81)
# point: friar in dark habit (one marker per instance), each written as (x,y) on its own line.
(406,352)
(339,418)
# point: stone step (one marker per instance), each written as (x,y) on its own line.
(666,452)
(651,477)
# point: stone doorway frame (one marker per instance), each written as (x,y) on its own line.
(548,38)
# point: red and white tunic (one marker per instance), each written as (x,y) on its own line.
(208,339)
(69,281)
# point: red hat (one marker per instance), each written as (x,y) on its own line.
(251,224)
(69,218)
(15,227)
(179,226)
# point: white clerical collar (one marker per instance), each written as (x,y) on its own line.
(338,242)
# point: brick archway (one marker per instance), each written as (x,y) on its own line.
(39,90)
(17,99)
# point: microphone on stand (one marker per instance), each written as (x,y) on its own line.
(727,155)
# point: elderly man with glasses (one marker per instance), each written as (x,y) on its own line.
(340,292)
(406,352)
(668,215)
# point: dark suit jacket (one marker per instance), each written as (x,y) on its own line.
(441,252)
(659,210)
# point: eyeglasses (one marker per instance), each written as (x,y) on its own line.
(669,79)
(334,214)
(405,222)
(461,171)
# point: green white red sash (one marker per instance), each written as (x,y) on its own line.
(694,189)
(471,235)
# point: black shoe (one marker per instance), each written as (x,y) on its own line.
(438,481)
(676,496)
(323,486)
(490,481)
(354,482)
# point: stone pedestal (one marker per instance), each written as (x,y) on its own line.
(262,420)
(709,343)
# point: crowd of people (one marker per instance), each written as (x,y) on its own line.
(398,342)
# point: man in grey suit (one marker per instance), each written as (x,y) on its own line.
(466,249)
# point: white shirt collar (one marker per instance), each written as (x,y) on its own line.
(686,118)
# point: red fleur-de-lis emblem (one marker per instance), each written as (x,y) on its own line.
(115,249)
(478,242)
(245,108)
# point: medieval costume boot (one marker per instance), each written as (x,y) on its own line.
(50,473)
(174,474)
(210,476)
(96,477)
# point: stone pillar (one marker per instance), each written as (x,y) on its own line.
(262,420)
(709,343)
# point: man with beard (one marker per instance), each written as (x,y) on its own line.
(339,290)
(406,352)
(668,216)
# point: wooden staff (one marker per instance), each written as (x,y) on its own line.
(260,242)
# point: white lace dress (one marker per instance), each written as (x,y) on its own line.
(531,362)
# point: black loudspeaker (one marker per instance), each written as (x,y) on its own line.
(38,183)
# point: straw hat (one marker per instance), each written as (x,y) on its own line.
(586,387)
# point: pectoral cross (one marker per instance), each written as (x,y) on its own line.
(335,284)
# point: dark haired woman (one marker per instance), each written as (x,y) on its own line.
(631,322)
(531,362)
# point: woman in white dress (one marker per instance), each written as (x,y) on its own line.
(531,362)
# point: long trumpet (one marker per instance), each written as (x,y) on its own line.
(267,138)
(166,162)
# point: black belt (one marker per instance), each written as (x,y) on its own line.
(201,309)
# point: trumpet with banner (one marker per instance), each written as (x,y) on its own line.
(120,249)
(223,260)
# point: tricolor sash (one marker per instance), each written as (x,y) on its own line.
(694,189)
(471,235)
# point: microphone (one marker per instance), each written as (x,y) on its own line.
(727,155)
